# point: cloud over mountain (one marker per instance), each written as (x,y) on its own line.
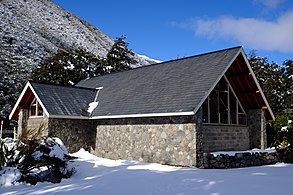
(251,32)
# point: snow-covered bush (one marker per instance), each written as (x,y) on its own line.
(36,161)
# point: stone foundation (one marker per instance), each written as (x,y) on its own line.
(75,133)
(165,140)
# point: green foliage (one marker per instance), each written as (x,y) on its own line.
(288,83)
(273,79)
(283,126)
(277,84)
(71,66)
(120,57)
(66,67)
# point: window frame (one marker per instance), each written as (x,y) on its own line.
(37,107)
(238,104)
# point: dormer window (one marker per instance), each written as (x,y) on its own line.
(36,109)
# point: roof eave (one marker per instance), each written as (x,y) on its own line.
(145,115)
(125,115)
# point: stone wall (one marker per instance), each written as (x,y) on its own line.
(29,127)
(239,160)
(75,133)
(257,128)
(165,140)
(35,126)
(225,137)
(22,120)
(199,138)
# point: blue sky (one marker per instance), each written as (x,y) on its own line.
(164,29)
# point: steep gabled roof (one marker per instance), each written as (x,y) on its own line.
(177,86)
(56,100)
(62,100)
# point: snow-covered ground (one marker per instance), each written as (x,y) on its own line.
(103,176)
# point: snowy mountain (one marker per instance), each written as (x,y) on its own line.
(31,30)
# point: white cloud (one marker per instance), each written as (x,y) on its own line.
(270,3)
(251,32)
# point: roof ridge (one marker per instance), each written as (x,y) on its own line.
(61,85)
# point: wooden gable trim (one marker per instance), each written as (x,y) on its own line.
(258,86)
(251,74)
(216,82)
(17,106)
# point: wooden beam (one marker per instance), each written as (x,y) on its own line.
(248,92)
(239,76)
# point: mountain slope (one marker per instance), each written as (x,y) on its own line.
(31,30)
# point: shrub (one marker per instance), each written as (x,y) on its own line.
(40,160)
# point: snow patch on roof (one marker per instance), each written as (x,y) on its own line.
(92,106)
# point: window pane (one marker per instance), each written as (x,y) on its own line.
(40,111)
(33,111)
(223,107)
(233,114)
(205,111)
(214,118)
(240,109)
(242,119)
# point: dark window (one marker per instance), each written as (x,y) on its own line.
(36,109)
(214,112)
(233,109)
(223,107)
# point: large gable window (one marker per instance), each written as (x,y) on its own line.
(222,106)
(36,109)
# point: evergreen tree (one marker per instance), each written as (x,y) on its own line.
(66,67)
(271,79)
(119,57)
(69,67)
(288,84)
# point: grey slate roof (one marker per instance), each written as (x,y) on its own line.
(173,86)
(61,100)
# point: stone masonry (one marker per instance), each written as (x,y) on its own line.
(224,161)
(165,140)
(225,138)
(257,128)
(75,133)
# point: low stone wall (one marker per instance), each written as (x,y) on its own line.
(165,140)
(247,159)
